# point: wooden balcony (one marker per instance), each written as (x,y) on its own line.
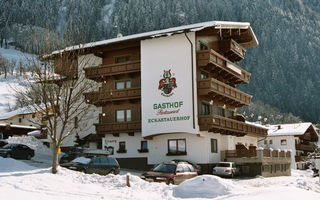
(256,156)
(232,50)
(99,73)
(305,147)
(300,158)
(101,97)
(214,62)
(120,127)
(227,126)
(221,91)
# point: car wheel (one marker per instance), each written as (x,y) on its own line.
(170,182)
(112,172)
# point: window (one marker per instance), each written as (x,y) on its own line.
(123,115)
(76,122)
(265,141)
(217,110)
(203,46)
(270,142)
(205,108)
(229,113)
(123,84)
(122,147)
(144,147)
(122,58)
(177,147)
(284,142)
(33,115)
(204,75)
(214,146)
(20,120)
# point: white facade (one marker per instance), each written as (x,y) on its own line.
(168,85)
(198,147)
(277,142)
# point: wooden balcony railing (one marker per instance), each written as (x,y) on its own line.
(230,70)
(223,91)
(266,153)
(99,72)
(232,50)
(305,147)
(223,125)
(101,97)
(300,158)
(120,127)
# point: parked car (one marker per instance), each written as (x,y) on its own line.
(98,164)
(16,151)
(2,143)
(226,169)
(170,173)
(68,157)
(195,165)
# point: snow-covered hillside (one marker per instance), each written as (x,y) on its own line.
(12,82)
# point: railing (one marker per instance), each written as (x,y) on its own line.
(232,50)
(112,95)
(304,147)
(98,72)
(120,127)
(212,57)
(265,153)
(300,158)
(239,98)
(228,126)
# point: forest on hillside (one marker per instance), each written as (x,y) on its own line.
(284,66)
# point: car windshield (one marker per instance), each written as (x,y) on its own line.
(167,168)
(82,160)
(223,164)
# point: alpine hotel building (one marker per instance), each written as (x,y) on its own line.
(172,94)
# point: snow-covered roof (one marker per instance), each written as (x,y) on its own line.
(19,111)
(168,32)
(19,126)
(289,129)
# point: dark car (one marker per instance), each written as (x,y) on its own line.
(2,143)
(16,151)
(69,157)
(170,173)
(195,165)
(98,164)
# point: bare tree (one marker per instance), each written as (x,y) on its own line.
(56,89)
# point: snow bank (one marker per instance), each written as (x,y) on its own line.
(12,165)
(42,153)
(206,186)
(31,142)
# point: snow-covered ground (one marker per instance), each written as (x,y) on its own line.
(19,180)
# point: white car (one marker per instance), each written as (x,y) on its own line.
(226,169)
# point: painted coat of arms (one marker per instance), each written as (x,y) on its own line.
(167,83)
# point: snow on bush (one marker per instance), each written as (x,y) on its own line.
(206,186)
(12,165)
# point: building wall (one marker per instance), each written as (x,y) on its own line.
(86,126)
(198,147)
(276,144)
(25,120)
